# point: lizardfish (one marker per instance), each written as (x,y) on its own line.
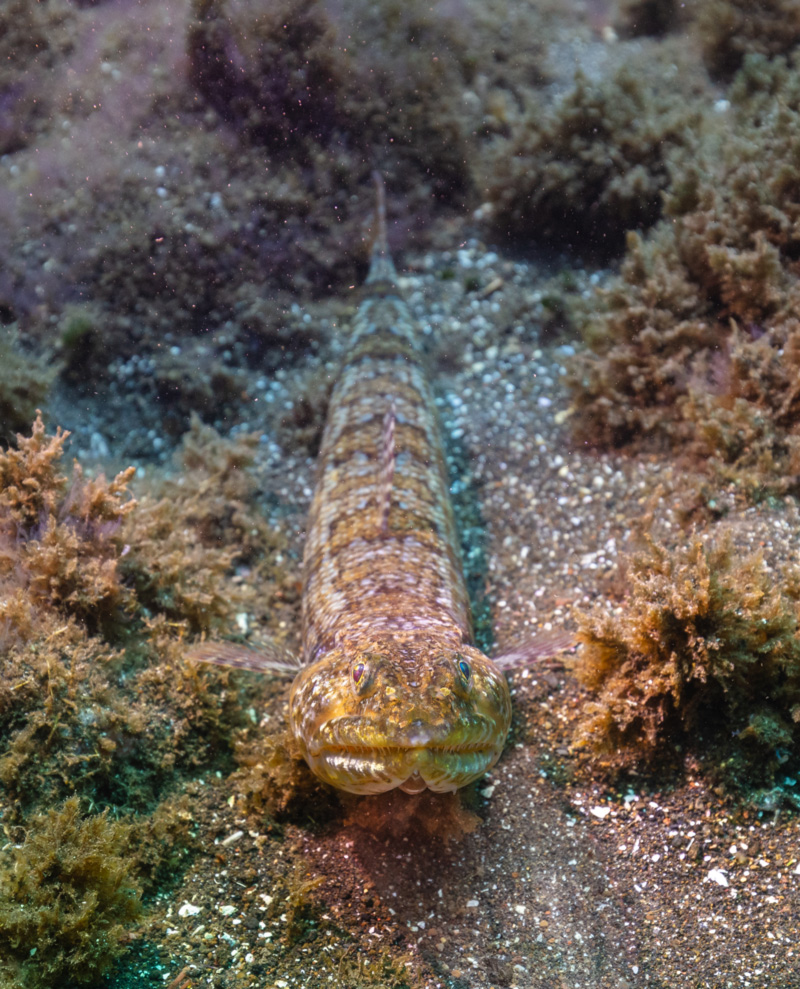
(391,690)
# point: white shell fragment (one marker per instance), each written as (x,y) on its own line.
(188,909)
(232,838)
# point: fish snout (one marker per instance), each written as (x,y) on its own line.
(421,734)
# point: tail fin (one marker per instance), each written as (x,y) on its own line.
(381,267)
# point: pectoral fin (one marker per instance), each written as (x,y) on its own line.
(542,645)
(270,658)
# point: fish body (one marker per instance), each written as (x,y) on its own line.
(390,690)
(394,692)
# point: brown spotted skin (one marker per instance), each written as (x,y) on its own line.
(360,580)
(394,693)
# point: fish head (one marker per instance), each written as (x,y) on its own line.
(414,714)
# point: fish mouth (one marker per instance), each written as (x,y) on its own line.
(366,755)
(376,769)
(358,734)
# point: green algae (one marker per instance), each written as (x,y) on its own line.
(68,893)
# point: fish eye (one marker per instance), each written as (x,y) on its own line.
(361,674)
(465,668)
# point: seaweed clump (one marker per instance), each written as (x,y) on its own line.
(289,78)
(583,172)
(705,653)
(98,596)
(729,30)
(187,534)
(270,71)
(697,342)
(274,781)
(32,38)
(60,537)
(67,895)
(24,383)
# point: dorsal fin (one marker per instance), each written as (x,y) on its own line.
(386,468)
(381,267)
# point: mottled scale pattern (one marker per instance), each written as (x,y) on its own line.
(359,578)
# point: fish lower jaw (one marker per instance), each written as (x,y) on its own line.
(376,770)
(414,784)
